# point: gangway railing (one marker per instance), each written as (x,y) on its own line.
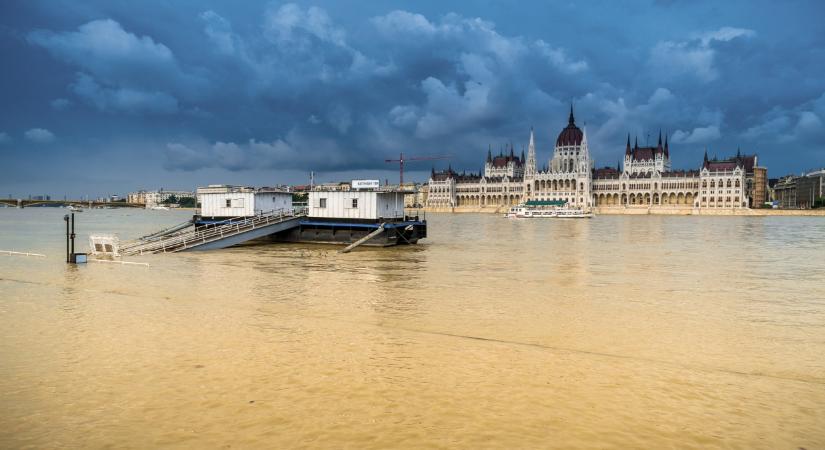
(166,231)
(212,233)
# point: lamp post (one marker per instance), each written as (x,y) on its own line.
(71,256)
(68,252)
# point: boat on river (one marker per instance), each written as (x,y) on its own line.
(547,209)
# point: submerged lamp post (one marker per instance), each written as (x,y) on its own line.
(68,252)
(71,256)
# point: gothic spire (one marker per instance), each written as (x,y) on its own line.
(571,120)
(627,148)
(660,139)
(636,143)
(489,152)
(530,166)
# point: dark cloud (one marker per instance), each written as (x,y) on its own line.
(283,88)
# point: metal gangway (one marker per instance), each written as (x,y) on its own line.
(221,235)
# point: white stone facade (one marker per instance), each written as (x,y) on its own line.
(645,180)
(569,174)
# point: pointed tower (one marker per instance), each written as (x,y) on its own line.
(571,120)
(628,154)
(530,167)
(666,160)
(489,153)
(659,155)
(584,156)
(585,176)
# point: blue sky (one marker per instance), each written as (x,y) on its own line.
(103,97)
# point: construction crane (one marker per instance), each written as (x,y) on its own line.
(401,159)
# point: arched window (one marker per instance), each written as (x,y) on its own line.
(729,183)
(737,183)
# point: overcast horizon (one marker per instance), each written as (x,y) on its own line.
(103,97)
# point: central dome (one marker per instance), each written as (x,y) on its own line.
(571,135)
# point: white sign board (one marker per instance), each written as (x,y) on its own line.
(366,184)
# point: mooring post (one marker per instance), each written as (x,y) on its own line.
(73,235)
(68,252)
(71,256)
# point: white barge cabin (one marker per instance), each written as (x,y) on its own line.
(359,205)
(225,201)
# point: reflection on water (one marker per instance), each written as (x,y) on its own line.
(617,331)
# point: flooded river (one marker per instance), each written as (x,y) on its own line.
(620,331)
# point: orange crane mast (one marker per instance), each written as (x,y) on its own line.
(401,159)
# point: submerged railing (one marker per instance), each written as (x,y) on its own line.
(211,233)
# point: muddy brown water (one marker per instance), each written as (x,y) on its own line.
(620,331)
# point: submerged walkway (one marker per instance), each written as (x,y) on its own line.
(227,234)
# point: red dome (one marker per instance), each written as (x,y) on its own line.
(571,135)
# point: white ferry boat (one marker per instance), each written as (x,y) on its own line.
(551,209)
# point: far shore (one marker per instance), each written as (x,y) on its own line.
(654,211)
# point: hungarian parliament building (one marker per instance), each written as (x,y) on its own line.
(645,179)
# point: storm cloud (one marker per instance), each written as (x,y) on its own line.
(201,90)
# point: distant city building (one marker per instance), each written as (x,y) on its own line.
(785,192)
(136,197)
(418,198)
(156,198)
(810,188)
(340,186)
(645,179)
